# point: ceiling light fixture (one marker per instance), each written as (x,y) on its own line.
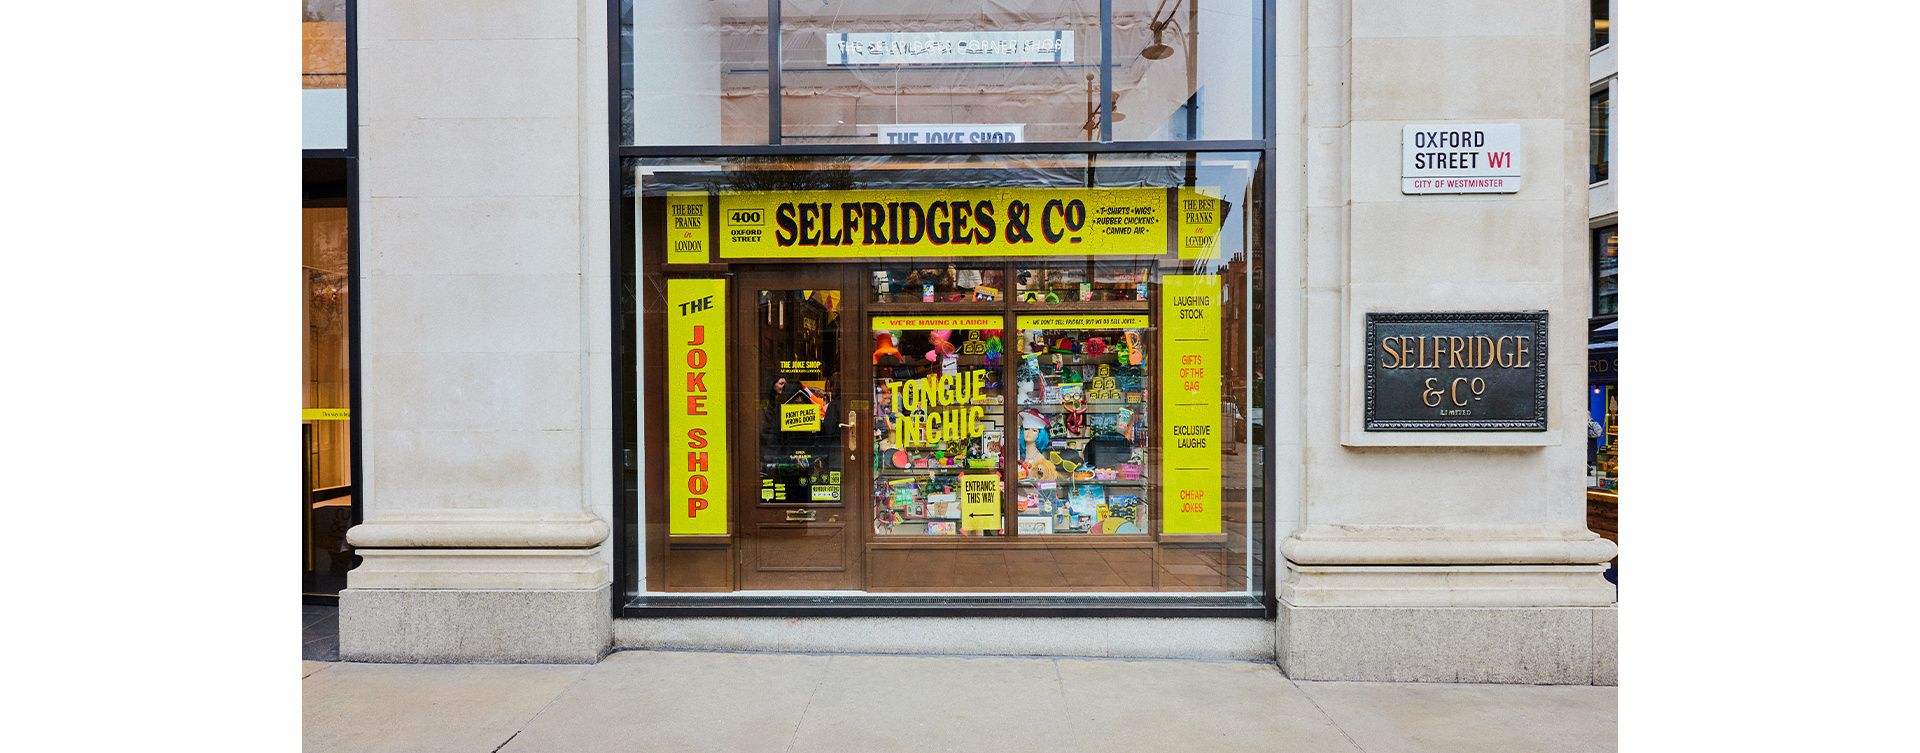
(1159,50)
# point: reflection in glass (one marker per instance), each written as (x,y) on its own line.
(1606,271)
(800,455)
(1602,25)
(1599,123)
(967,71)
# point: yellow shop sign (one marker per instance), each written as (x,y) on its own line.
(944,222)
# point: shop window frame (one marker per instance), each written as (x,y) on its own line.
(349,158)
(629,601)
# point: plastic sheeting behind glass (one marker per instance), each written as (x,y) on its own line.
(983,71)
(701,70)
(907,72)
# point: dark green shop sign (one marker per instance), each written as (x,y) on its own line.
(1457,371)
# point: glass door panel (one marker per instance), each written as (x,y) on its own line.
(798,533)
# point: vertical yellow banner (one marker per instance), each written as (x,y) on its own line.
(1200,219)
(1190,379)
(686,227)
(696,407)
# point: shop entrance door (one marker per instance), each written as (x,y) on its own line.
(803,460)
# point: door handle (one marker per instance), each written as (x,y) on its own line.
(852,441)
(849,424)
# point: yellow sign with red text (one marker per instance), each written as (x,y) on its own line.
(687,227)
(697,407)
(1190,379)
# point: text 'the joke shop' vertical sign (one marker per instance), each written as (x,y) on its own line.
(696,407)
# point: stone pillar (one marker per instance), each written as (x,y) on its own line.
(1453,557)
(484,335)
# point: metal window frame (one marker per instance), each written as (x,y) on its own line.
(627,510)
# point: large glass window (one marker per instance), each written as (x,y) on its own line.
(326,425)
(968,71)
(1600,128)
(1025,373)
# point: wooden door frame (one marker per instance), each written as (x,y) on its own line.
(854,495)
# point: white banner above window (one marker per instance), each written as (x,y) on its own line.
(949,47)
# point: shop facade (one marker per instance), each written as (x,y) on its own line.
(1077,327)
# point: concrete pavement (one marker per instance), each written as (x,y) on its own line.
(672,700)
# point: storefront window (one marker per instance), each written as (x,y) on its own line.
(946,374)
(1084,423)
(326,408)
(970,72)
(938,392)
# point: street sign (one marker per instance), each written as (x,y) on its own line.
(1460,159)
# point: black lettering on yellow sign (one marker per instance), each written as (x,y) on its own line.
(799,417)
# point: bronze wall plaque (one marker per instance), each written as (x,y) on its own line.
(1457,371)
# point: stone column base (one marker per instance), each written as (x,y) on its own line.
(1524,645)
(562,626)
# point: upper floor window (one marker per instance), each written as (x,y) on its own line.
(1606,271)
(1601,23)
(1599,129)
(965,71)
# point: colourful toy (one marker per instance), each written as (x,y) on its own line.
(942,346)
(1096,347)
(1076,418)
(994,349)
(1135,356)
(1063,345)
(883,345)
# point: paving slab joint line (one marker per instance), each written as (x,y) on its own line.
(802,721)
(543,709)
(1051,657)
(1323,713)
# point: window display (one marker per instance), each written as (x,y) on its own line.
(937,434)
(970,374)
(1084,389)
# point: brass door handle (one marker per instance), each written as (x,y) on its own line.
(849,424)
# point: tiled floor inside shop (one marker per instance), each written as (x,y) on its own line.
(320,633)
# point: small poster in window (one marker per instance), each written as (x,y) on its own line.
(944,505)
